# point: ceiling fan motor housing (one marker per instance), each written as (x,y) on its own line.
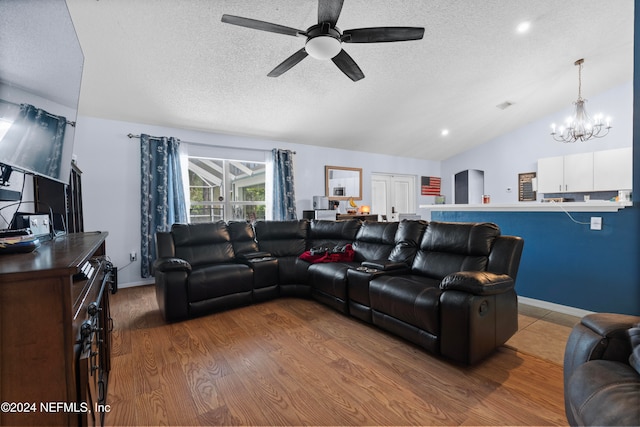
(323,41)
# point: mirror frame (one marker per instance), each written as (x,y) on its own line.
(330,193)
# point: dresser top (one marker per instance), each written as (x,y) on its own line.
(61,255)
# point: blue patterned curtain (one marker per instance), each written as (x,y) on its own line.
(163,201)
(284,198)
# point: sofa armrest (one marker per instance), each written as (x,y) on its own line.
(599,336)
(171,277)
(171,264)
(384,265)
(479,283)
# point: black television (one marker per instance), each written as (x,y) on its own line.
(41,65)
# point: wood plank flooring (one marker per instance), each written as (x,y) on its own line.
(297,362)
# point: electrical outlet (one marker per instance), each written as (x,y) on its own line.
(133,256)
(596,223)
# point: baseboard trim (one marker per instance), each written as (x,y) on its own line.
(565,309)
(134,284)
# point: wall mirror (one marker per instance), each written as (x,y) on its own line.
(343,183)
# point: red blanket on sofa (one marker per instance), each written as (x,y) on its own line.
(345,254)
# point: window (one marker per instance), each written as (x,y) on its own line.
(226,190)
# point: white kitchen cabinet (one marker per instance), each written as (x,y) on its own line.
(607,170)
(578,172)
(550,175)
(613,169)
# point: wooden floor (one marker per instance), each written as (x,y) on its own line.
(297,362)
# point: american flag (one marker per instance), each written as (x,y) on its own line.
(430,186)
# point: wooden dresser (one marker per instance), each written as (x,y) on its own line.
(55,332)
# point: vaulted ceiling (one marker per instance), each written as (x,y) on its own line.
(174,63)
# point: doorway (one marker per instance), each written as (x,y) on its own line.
(392,195)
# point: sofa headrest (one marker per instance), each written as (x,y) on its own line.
(375,240)
(242,237)
(281,230)
(200,234)
(205,243)
(407,240)
(282,238)
(460,238)
(377,232)
(334,230)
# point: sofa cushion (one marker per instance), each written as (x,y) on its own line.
(293,271)
(604,392)
(407,240)
(201,244)
(410,298)
(242,237)
(450,247)
(330,278)
(375,240)
(215,281)
(282,238)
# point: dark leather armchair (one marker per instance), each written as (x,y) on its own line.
(600,386)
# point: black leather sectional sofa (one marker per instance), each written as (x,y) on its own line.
(447,287)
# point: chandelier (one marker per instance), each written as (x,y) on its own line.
(581,127)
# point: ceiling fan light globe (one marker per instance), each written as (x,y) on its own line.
(323,47)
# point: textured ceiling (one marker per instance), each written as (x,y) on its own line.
(174,63)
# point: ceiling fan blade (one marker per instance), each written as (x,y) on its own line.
(329,11)
(382,34)
(261,25)
(348,66)
(288,63)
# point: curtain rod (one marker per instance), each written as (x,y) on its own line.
(70,123)
(202,144)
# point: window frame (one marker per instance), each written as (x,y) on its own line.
(228,206)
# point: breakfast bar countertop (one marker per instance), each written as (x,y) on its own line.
(590,206)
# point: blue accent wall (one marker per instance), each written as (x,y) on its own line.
(569,264)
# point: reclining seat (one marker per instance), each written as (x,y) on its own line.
(196,272)
(286,241)
(406,243)
(458,298)
(329,280)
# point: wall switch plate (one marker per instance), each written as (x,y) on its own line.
(596,223)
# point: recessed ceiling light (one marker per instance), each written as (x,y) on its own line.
(444,132)
(523,27)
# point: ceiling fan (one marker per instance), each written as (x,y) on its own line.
(324,39)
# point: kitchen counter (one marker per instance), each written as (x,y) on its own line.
(590,206)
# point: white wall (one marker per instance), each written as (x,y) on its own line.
(110,162)
(503,158)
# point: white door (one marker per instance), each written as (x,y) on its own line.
(392,195)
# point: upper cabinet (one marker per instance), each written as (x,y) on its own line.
(551,175)
(578,172)
(613,169)
(608,170)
